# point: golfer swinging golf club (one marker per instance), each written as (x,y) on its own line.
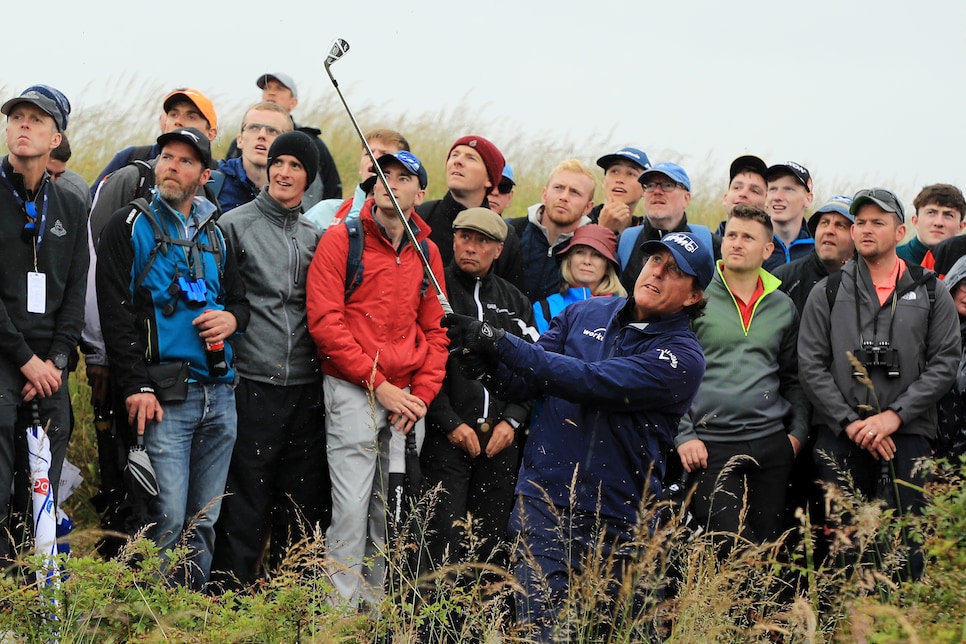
(617,375)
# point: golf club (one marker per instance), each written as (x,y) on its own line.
(338,50)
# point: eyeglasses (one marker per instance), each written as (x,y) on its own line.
(255,128)
(505,187)
(665,186)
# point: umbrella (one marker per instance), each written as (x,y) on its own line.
(139,471)
(397,469)
(414,472)
(44,521)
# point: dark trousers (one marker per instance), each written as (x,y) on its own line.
(14,466)
(837,456)
(741,494)
(278,481)
(552,546)
(482,487)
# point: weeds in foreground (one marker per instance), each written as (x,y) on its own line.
(756,594)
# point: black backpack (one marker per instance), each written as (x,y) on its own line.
(353,262)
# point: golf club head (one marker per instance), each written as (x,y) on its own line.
(337,51)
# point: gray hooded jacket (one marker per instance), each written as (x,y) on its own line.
(274,246)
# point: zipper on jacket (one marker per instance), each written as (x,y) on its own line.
(476,299)
(148,349)
(485,413)
(295,264)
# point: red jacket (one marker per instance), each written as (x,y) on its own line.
(385,322)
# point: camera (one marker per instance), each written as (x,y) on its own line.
(878,354)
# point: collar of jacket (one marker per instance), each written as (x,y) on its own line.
(650,232)
(467,280)
(659,324)
(769,282)
(535,213)
(372,226)
(201,210)
(450,208)
(275,212)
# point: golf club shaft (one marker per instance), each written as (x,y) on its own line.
(447,309)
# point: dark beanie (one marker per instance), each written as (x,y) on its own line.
(491,155)
(300,146)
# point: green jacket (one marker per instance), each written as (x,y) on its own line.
(750,388)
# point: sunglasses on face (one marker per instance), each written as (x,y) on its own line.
(505,187)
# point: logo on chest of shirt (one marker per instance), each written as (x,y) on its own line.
(58,229)
(597,334)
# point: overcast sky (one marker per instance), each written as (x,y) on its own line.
(862,93)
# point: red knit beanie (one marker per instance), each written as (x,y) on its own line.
(491,155)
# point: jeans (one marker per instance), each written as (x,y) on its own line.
(553,543)
(190,450)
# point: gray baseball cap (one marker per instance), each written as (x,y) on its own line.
(284,79)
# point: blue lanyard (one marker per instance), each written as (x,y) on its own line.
(30,209)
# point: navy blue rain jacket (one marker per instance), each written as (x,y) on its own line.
(615,391)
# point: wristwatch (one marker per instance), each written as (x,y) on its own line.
(513,422)
(59,360)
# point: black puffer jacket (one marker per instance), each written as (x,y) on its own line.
(799,277)
(493,299)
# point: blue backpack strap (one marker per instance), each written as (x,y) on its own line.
(626,243)
(353,261)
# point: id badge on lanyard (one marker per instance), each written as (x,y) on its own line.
(36,292)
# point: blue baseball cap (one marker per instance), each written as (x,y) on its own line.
(635,156)
(508,173)
(692,256)
(50,100)
(672,170)
(409,161)
(839,205)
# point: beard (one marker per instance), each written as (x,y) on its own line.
(176,194)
